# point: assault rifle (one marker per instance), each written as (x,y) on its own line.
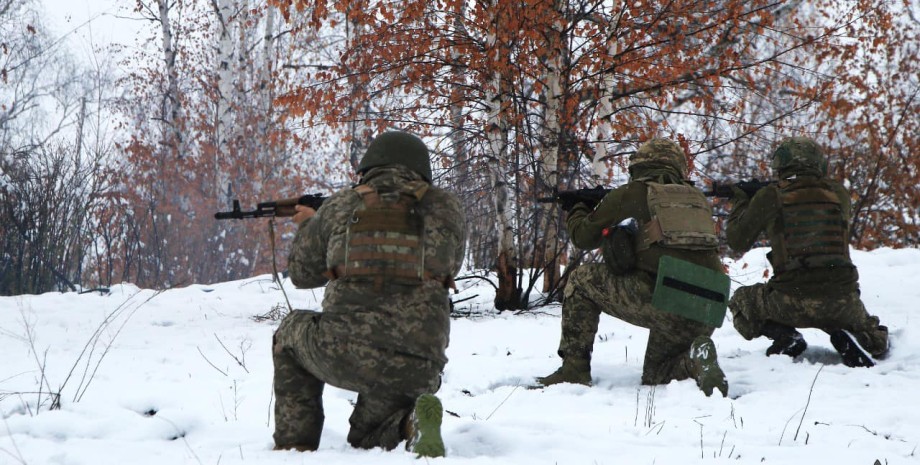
(590,196)
(724,190)
(273,208)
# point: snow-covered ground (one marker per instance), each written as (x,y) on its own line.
(185,376)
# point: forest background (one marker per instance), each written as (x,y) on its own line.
(111,168)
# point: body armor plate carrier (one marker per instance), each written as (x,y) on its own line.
(813,232)
(385,240)
(681,219)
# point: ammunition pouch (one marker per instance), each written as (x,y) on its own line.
(619,247)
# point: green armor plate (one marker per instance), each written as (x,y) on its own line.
(691,291)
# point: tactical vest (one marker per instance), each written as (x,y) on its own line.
(681,218)
(385,235)
(812,232)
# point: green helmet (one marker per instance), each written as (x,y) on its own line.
(397,148)
(663,151)
(799,154)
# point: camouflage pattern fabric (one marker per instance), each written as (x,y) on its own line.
(750,218)
(631,201)
(384,340)
(592,290)
(753,306)
(825,297)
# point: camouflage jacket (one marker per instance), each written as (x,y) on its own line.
(751,217)
(409,318)
(585,227)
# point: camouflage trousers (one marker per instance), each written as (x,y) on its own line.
(592,289)
(752,306)
(306,357)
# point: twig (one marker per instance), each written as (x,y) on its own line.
(660,427)
(275,275)
(455,302)
(105,351)
(271,397)
(702,456)
(807,403)
(180,434)
(42,380)
(502,402)
(209,362)
(239,362)
(636,419)
(783,432)
(9,434)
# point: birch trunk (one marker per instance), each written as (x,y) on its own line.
(265,88)
(358,130)
(606,107)
(458,142)
(172,103)
(508,294)
(173,146)
(226,53)
(550,160)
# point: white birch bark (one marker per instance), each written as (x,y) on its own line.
(172,104)
(549,160)
(226,61)
(358,129)
(497,135)
(265,88)
(606,107)
(458,142)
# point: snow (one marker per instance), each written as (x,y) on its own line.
(185,376)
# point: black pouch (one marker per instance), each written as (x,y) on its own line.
(619,246)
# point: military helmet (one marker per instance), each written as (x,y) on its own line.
(799,153)
(397,148)
(661,151)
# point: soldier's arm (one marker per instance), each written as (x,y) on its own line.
(750,217)
(845,202)
(846,205)
(462,232)
(585,226)
(307,260)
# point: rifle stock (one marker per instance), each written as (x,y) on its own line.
(273,208)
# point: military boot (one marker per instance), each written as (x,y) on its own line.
(575,370)
(852,353)
(424,427)
(786,340)
(709,375)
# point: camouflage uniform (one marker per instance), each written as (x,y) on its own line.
(593,289)
(820,288)
(383,338)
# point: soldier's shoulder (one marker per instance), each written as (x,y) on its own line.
(437,194)
(343,195)
(341,202)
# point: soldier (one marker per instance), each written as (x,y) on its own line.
(678,348)
(814,283)
(389,249)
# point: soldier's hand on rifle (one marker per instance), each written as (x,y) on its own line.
(739,195)
(568,203)
(303,213)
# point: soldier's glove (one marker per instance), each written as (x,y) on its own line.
(568,203)
(577,206)
(739,195)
